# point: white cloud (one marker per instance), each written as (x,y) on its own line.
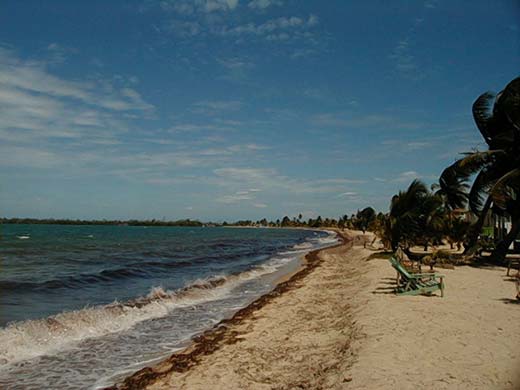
(271,181)
(313,20)
(47,119)
(416,145)
(57,54)
(220,5)
(235,198)
(188,7)
(302,53)
(184,28)
(260,205)
(263,4)
(216,106)
(407,176)
(272,26)
(234,63)
(404,59)
(346,119)
(32,77)
(32,157)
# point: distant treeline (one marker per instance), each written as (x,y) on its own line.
(132,222)
(361,221)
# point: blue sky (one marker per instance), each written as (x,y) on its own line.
(227,109)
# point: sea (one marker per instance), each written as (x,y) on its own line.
(83,306)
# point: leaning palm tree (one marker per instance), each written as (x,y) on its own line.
(497,182)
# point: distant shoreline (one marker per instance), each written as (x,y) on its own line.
(149,223)
(80,222)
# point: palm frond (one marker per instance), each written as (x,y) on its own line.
(482,114)
(508,103)
(505,188)
(480,188)
(453,187)
(474,162)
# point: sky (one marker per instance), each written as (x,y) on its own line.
(239,109)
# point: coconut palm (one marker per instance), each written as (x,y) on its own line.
(403,223)
(433,217)
(497,181)
(453,189)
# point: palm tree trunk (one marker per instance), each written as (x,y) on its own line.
(475,229)
(500,252)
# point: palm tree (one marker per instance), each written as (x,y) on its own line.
(364,218)
(497,181)
(433,216)
(453,189)
(403,223)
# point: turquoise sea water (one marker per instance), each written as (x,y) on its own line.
(86,305)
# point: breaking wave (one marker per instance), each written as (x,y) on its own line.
(31,338)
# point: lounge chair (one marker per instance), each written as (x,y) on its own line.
(416,283)
(513,262)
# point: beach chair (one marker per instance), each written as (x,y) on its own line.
(513,261)
(416,283)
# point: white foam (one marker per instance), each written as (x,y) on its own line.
(31,338)
(332,238)
(303,245)
(23,237)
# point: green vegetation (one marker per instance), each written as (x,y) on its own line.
(420,217)
(132,222)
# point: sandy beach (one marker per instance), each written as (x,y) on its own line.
(337,325)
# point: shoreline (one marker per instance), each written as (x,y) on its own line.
(338,324)
(213,339)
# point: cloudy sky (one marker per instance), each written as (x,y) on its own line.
(227,109)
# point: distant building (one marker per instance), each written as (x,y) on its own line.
(496,226)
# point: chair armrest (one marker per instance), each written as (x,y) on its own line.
(427,275)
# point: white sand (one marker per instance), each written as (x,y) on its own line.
(470,339)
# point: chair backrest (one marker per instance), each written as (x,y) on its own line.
(399,267)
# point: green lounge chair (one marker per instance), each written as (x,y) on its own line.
(416,283)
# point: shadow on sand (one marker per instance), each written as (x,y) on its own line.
(510,301)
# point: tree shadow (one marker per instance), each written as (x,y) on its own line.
(381,255)
(385,286)
(510,301)
(486,262)
(384,290)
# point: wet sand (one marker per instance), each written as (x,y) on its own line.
(336,324)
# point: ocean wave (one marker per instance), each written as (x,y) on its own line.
(134,270)
(32,338)
(23,237)
(331,238)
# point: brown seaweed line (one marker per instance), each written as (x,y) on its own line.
(212,339)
